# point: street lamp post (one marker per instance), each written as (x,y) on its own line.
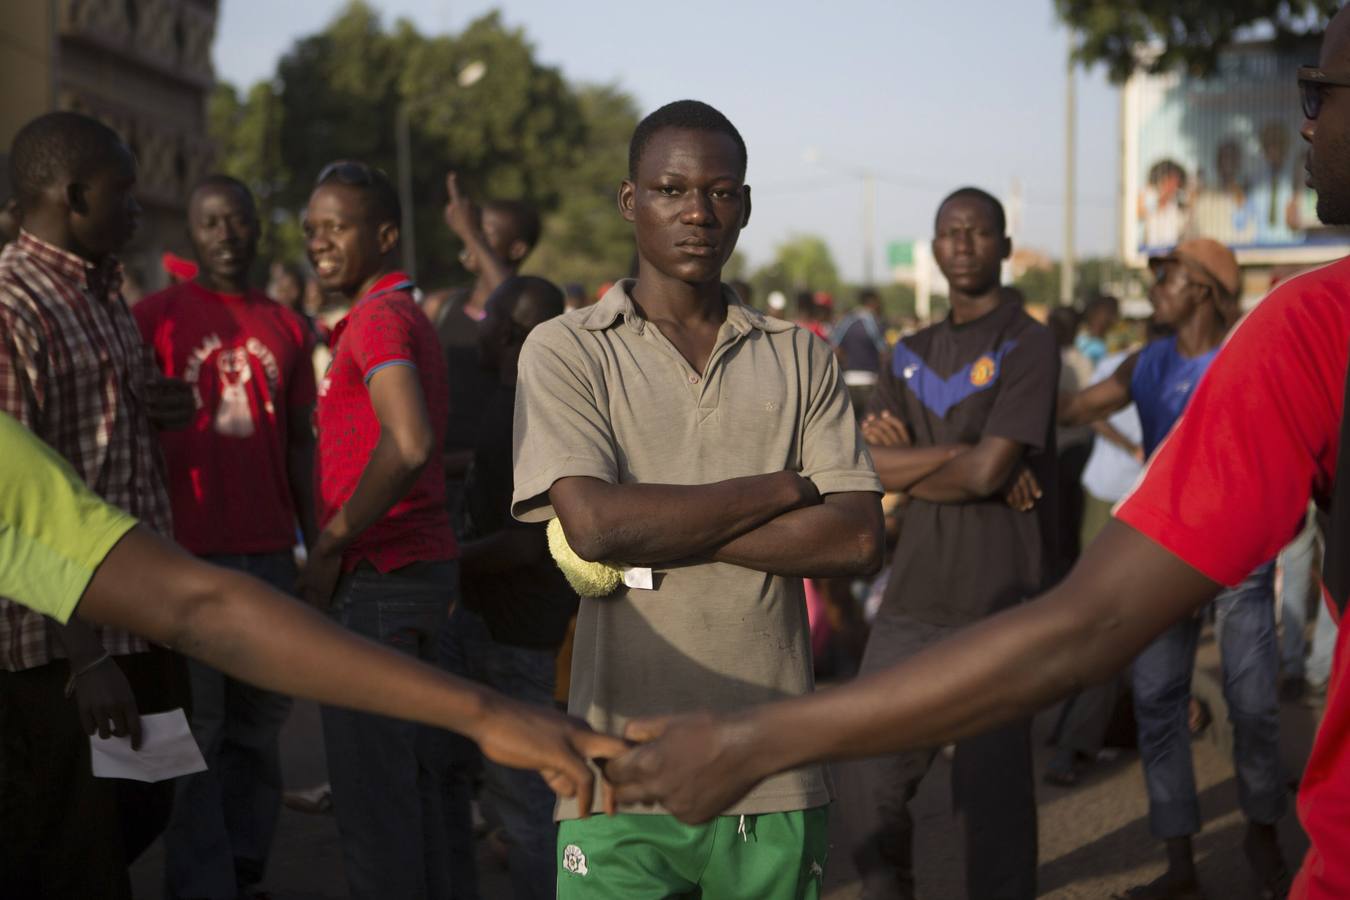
(869,204)
(468,76)
(1069,267)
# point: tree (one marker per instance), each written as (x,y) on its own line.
(800,263)
(1093,275)
(247,136)
(520,131)
(1191,33)
(586,240)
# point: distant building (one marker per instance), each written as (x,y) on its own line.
(142,66)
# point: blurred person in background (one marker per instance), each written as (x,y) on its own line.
(247,360)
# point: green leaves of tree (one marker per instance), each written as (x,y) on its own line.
(1190,32)
(521,131)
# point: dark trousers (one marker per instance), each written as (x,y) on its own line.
(1070,498)
(519,798)
(223,819)
(993,795)
(63,832)
(386,773)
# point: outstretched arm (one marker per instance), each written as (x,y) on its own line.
(844,535)
(1124,591)
(645,524)
(241,626)
(977,473)
(1101,400)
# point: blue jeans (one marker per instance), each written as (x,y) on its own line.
(223,820)
(1161,675)
(384,771)
(518,798)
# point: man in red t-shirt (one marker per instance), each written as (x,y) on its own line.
(1264,432)
(240,478)
(385,563)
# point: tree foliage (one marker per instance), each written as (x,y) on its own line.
(1190,33)
(586,240)
(802,262)
(518,132)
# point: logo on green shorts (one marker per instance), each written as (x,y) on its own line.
(574,860)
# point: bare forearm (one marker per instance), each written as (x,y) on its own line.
(1005,668)
(646,524)
(825,541)
(241,626)
(1112,435)
(964,478)
(899,468)
(388,476)
(492,272)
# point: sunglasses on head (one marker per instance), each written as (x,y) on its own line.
(349,171)
(1312,86)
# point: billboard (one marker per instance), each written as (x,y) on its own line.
(1221,157)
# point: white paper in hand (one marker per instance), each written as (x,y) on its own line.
(167,751)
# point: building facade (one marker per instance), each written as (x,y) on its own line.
(142,66)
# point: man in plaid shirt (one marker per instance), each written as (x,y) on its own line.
(74,370)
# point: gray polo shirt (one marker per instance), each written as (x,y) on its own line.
(602,393)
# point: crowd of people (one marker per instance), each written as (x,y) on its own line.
(784,499)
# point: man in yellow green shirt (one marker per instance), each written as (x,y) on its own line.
(63,552)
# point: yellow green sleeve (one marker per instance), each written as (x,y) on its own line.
(54,532)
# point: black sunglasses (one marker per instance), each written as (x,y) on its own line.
(349,171)
(1312,85)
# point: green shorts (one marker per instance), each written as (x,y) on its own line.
(773,856)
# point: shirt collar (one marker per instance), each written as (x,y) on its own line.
(618,303)
(103,279)
(387,284)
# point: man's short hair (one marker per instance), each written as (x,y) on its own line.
(524,218)
(694,115)
(1101,302)
(379,190)
(974,193)
(221,181)
(56,146)
(545,297)
(868,295)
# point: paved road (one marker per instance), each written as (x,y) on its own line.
(1094,839)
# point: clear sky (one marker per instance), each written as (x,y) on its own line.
(929,95)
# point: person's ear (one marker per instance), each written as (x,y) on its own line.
(1007,248)
(745,205)
(75,197)
(627,200)
(387,237)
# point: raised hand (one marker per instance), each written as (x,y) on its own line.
(461,213)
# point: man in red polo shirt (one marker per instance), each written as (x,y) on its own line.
(385,562)
(247,360)
(1265,431)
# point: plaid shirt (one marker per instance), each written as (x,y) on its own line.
(73,369)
